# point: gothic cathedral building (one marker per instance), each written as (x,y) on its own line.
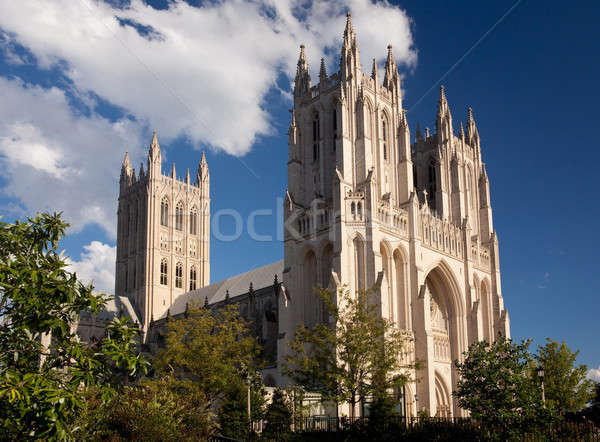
(364,208)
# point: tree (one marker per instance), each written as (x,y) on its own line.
(209,351)
(356,356)
(566,388)
(278,417)
(233,409)
(153,409)
(44,368)
(497,387)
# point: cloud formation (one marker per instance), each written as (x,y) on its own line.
(54,159)
(594,374)
(96,265)
(192,71)
(199,73)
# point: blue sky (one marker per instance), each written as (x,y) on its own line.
(80,87)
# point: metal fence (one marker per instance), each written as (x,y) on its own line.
(405,426)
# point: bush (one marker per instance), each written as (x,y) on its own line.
(278,417)
(149,411)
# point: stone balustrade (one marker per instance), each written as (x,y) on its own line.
(440,234)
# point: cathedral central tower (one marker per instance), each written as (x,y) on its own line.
(366,209)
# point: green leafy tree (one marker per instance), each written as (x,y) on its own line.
(566,388)
(356,356)
(233,410)
(497,387)
(278,417)
(151,410)
(44,368)
(592,413)
(209,351)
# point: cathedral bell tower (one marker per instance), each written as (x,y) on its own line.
(349,166)
(163,235)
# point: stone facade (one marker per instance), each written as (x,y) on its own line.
(163,235)
(366,208)
(363,208)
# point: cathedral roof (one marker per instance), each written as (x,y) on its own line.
(115,307)
(236,285)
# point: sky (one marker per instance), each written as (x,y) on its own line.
(81,82)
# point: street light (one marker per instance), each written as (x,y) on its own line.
(540,373)
(416,405)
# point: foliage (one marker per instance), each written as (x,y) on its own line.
(497,387)
(152,410)
(44,368)
(233,410)
(565,386)
(208,351)
(278,417)
(355,356)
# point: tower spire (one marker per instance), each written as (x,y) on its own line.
(472,133)
(374,72)
(322,72)
(302,82)
(126,162)
(390,70)
(349,59)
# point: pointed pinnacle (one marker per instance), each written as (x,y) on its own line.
(348,23)
(461,131)
(418,134)
(203,158)
(374,73)
(470,111)
(173,171)
(302,58)
(126,162)
(187,176)
(323,71)
(154,144)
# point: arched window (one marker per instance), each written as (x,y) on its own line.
(128,221)
(193,278)
(135,218)
(179,275)
(353,209)
(316,136)
(432,188)
(384,138)
(164,267)
(194,221)
(359,209)
(179,216)
(335,126)
(469,190)
(164,212)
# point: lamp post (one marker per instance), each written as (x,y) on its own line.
(540,373)
(249,410)
(416,405)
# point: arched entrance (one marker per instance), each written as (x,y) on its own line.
(447,336)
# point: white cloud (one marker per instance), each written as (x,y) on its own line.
(57,161)
(201,72)
(594,374)
(97,265)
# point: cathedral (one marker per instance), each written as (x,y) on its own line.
(364,207)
